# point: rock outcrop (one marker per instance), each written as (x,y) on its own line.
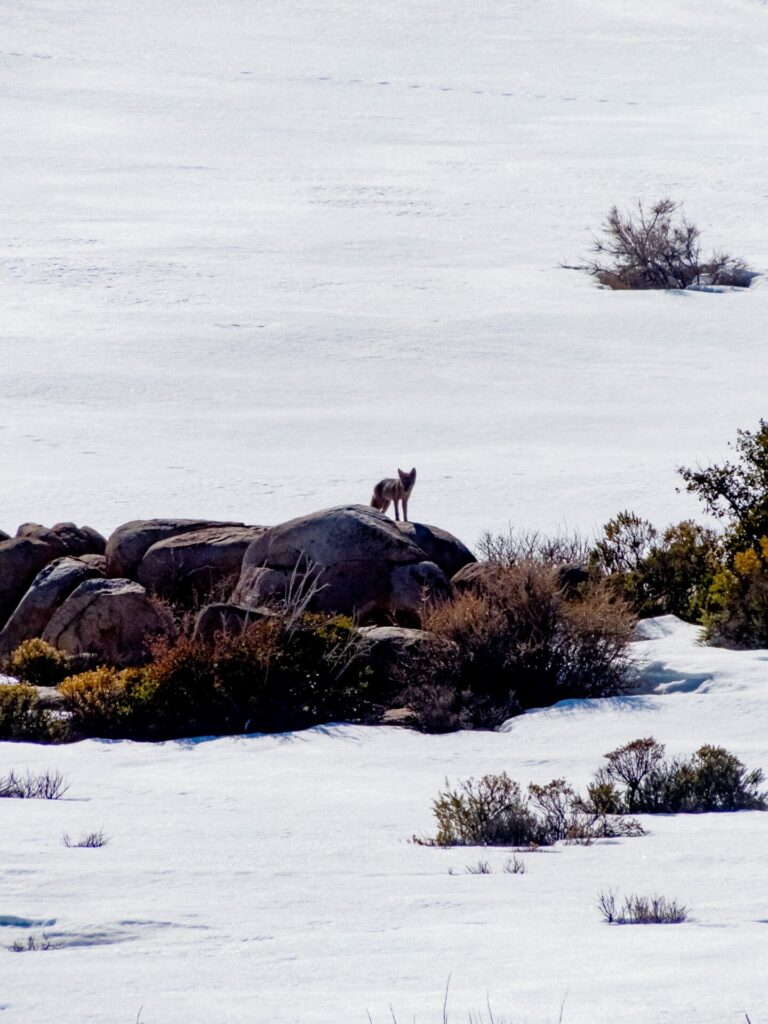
(360,560)
(113,619)
(49,589)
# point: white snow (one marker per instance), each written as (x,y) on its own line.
(253,258)
(271,878)
(256,256)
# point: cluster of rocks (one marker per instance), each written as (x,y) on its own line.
(89,595)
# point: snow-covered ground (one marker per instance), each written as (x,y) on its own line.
(270,879)
(253,257)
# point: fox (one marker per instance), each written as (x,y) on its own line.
(393,490)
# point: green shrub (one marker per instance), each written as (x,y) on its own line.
(667,574)
(23,718)
(638,780)
(494,811)
(521,643)
(35,661)
(491,811)
(272,677)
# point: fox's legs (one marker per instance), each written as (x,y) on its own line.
(397,509)
(382,504)
(405,510)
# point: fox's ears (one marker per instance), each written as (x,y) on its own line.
(405,477)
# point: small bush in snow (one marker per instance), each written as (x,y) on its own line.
(640,909)
(23,718)
(35,661)
(657,247)
(514,866)
(638,780)
(494,811)
(481,868)
(32,945)
(87,841)
(48,785)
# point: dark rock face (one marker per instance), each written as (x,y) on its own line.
(50,588)
(231,619)
(113,619)
(130,542)
(440,547)
(204,562)
(21,559)
(364,565)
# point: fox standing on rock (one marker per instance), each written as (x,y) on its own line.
(392,489)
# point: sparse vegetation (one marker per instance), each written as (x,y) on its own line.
(640,909)
(47,785)
(656,247)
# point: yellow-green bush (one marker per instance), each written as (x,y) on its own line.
(23,718)
(35,661)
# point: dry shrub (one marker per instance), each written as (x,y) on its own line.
(524,642)
(640,909)
(657,247)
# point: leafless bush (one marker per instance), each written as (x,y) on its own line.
(532,546)
(514,865)
(48,785)
(481,868)
(657,247)
(87,841)
(640,909)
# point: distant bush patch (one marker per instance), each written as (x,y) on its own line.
(657,247)
(87,841)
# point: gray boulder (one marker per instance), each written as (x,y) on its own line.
(21,559)
(130,542)
(231,619)
(364,564)
(206,561)
(72,539)
(112,619)
(50,588)
(440,547)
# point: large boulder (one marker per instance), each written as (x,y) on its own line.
(362,562)
(130,542)
(72,539)
(205,562)
(440,547)
(232,619)
(50,588)
(112,619)
(21,559)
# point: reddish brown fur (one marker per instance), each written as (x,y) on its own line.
(394,490)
